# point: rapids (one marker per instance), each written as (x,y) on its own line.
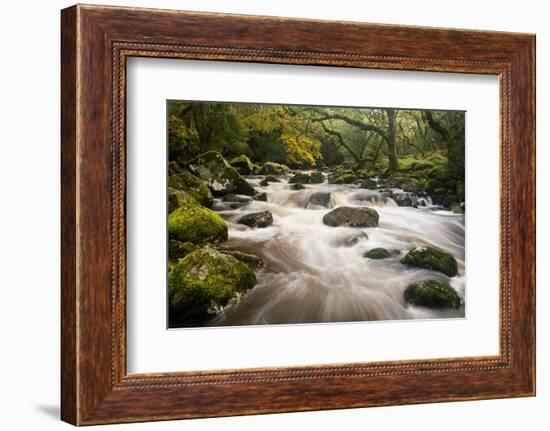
(312,276)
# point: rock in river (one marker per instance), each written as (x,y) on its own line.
(259,219)
(380,253)
(203,283)
(300,178)
(352,217)
(431,258)
(356,239)
(272,168)
(253,262)
(189,183)
(219,175)
(193,223)
(316,178)
(319,199)
(243,165)
(433,294)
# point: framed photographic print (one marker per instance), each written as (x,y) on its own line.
(265,215)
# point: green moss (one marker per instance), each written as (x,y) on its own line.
(433,259)
(412,164)
(176,199)
(178,249)
(203,283)
(191,222)
(433,294)
(243,165)
(189,183)
(220,177)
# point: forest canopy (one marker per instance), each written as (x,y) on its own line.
(386,142)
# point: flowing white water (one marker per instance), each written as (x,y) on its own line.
(311,275)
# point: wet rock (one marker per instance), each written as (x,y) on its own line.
(261,197)
(269,179)
(193,223)
(355,239)
(253,262)
(352,217)
(272,168)
(219,175)
(432,294)
(297,186)
(402,199)
(203,283)
(193,185)
(237,198)
(259,219)
(380,253)
(317,178)
(300,178)
(433,259)
(178,249)
(319,199)
(243,165)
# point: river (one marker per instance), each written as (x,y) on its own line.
(312,274)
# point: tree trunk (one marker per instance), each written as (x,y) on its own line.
(391,134)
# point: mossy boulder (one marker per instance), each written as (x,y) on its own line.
(176,199)
(203,283)
(380,253)
(243,165)
(367,183)
(433,259)
(193,223)
(316,178)
(258,219)
(352,217)
(272,168)
(348,178)
(178,249)
(189,183)
(432,294)
(300,178)
(297,186)
(219,175)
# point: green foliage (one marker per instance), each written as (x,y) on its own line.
(301,151)
(387,142)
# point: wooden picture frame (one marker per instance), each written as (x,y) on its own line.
(95,43)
